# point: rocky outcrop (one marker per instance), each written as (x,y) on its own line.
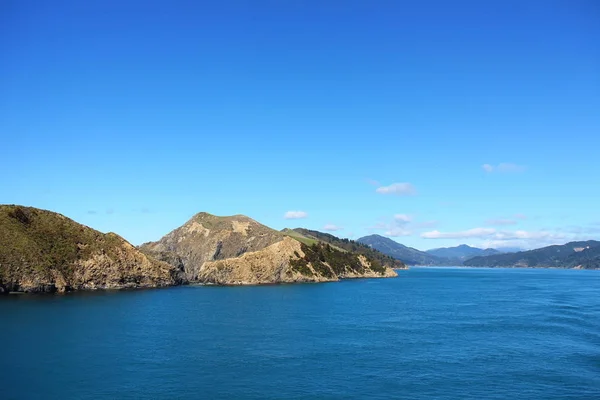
(42,251)
(207,238)
(239,251)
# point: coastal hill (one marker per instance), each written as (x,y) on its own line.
(43,251)
(349,245)
(581,255)
(408,255)
(238,250)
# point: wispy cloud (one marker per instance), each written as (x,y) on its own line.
(470,233)
(491,233)
(399,225)
(398,189)
(295,215)
(485,237)
(503,168)
(92,212)
(398,231)
(332,228)
(373,182)
(402,218)
(513,220)
(500,222)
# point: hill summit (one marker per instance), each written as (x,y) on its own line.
(238,250)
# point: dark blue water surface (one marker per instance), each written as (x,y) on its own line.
(431,333)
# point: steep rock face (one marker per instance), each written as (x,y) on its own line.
(42,251)
(278,263)
(238,250)
(205,238)
(269,265)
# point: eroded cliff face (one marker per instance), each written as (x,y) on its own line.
(206,238)
(42,251)
(239,251)
(269,265)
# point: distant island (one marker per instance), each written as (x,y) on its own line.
(43,251)
(580,255)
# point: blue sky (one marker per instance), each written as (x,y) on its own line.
(434,122)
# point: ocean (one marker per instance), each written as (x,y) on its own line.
(431,333)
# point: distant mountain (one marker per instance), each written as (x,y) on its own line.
(407,255)
(346,245)
(462,252)
(582,255)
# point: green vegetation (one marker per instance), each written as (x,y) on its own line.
(299,237)
(42,251)
(378,259)
(40,240)
(329,261)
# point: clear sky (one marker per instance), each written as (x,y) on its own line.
(431,122)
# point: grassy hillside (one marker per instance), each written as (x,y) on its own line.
(44,251)
(38,240)
(350,246)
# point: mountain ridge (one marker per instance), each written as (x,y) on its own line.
(579,254)
(461,252)
(407,255)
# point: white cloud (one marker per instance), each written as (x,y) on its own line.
(397,231)
(399,225)
(402,218)
(495,238)
(500,222)
(295,215)
(332,228)
(398,189)
(471,233)
(520,216)
(537,235)
(500,238)
(503,167)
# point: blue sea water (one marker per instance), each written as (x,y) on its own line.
(432,333)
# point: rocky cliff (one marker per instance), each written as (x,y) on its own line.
(42,251)
(238,250)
